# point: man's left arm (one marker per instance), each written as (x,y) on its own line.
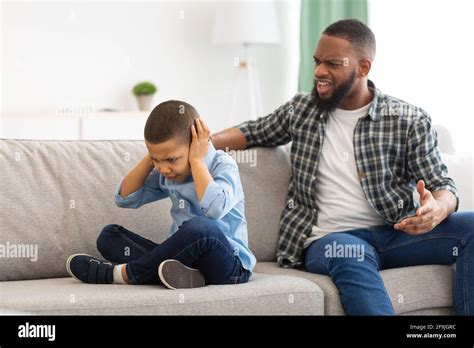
(438,193)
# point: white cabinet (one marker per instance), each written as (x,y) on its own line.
(100,125)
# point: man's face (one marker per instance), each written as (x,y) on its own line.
(171,159)
(334,72)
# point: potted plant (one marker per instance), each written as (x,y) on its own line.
(144,92)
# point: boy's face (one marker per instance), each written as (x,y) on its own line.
(171,159)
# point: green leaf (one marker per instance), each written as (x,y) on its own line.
(144,88)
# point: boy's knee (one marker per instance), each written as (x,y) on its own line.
(200,226)
(104,236)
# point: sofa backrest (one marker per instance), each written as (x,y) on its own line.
(56,196)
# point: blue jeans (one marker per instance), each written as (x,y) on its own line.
(356,274)
(198,243)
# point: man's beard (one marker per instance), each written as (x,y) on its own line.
(328,105)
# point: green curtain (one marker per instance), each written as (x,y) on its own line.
(316,15)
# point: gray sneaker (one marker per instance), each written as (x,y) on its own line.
(174,275)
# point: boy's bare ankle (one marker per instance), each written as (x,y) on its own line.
(124,274)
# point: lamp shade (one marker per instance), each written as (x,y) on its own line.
(246,22)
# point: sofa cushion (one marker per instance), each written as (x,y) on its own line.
(58,195)
(262,295)
(410,288)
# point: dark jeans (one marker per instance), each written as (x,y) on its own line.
(198,243)
(357,276)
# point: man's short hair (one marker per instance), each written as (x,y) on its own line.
(360,36)
(171,119)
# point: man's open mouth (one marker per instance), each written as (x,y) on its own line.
(323,86)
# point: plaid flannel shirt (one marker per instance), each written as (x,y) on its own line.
(394,147)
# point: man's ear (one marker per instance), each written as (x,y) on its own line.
(364,67)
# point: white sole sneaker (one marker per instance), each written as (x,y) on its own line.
(81,271)
(68,265)
(174,275)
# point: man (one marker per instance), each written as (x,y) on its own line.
(357,156)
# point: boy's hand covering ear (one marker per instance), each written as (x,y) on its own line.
(200,141)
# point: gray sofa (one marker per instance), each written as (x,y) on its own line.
(57,196)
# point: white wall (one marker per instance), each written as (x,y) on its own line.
(78,54)
(424,56)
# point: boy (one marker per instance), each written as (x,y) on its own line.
(208,238)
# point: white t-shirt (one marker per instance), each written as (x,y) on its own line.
(340,200)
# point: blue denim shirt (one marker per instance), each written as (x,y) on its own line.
(223,201)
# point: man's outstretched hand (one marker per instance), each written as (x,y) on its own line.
(430,213)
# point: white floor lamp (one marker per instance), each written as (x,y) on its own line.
(246,23)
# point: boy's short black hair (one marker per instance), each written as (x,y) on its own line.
(171,119)
(360,36)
